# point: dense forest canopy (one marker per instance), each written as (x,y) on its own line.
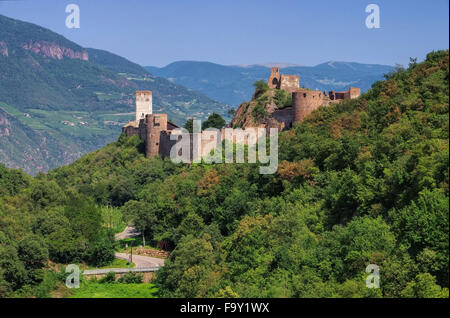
(362,182)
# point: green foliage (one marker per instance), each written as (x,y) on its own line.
(189,125)
(214,121)
(282,98)
(189,272)
(113,219)
(260,88)
(131,278)
(423,227)
(109,278)
(258,112)
(12,181)
(424,286)
(97,290)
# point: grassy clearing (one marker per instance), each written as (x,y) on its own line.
(114,290)
(117,263)
(112,218)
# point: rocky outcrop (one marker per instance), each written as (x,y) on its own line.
(280,109)
(54,51)
(4,126)
(3,49)
(262,112)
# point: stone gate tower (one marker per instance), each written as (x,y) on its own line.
(144,104)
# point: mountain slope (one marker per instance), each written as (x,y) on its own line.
(68,102)
(168,97)
(233,84)
(115,62)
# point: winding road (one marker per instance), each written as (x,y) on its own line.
(142,261)
(138,260)
(127,233)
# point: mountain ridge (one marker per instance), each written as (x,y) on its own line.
(233,84)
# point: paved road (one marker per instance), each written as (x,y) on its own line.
(127,233)
(138,260)
(142,261)
(120,270)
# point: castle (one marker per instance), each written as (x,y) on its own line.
(304,101)
(289,83)
(156,130)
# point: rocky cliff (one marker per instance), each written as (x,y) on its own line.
(53,50)
(268,108)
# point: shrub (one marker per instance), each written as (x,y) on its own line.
(109,278)
(131,278)
(260,87)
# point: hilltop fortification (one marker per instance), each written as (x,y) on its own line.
(281,105)
(267,110)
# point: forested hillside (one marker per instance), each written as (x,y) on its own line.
(362,182)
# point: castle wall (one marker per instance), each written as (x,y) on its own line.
(130,131)
(142,130)
(156,123)
(144,104)
(166,144)
(156,131)
(284,116)
(289,83)
(305,102)
(354,92)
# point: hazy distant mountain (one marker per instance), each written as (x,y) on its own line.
(233,84)
(59,100)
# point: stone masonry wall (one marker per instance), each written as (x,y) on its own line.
(305,102)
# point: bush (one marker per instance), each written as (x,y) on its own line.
(131,278)
(260,87)
(109,278)
(214,121)
(282,99)
(100,254)
(259,112)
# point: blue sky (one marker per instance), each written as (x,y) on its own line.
(247,31)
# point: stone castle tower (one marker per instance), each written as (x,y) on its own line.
(304,102)
(274,78)
(289,83)
(156,124)
(144,104)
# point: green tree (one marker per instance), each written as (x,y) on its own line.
(424,286)
(260,87)
(214,121)
(189,125)
(34,255)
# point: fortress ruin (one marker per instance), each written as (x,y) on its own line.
(156,131)
(304,101)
